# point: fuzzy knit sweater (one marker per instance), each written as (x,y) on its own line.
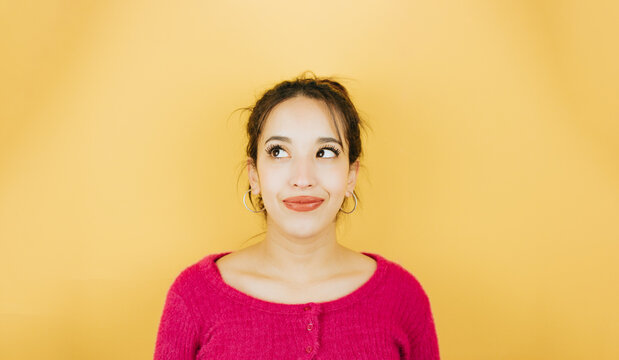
(388,317)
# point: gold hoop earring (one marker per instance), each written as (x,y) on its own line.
(353,209)
(244,203)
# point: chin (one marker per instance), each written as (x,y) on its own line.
(302,228)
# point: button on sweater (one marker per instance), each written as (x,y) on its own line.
(388,317)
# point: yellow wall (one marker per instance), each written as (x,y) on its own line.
(492,171)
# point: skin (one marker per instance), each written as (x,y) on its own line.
(299,259)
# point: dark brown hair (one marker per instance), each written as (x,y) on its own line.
(324,89)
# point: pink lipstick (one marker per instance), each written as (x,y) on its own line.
(303,203)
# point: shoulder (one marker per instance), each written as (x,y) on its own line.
(402,281)
(193,278)
(412,307)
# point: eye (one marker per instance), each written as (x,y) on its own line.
(275,150)
(331,149)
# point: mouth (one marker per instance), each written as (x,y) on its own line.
(303,203)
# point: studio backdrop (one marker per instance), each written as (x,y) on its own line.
(491,169)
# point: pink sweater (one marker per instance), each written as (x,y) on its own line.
(388,317)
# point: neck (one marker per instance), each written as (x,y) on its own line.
(301,260)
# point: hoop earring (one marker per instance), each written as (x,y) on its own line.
(353,209)
(244,203)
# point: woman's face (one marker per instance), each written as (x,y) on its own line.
(298,156)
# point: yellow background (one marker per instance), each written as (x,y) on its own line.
(492,170)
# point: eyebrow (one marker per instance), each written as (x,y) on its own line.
(320,140)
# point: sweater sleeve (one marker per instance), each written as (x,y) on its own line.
(177,337)
(418,322)
(423,339)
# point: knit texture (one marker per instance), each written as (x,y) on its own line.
(388,317)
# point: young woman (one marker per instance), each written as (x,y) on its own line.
(298,294)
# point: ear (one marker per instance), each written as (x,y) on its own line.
(254,180)
(352,177)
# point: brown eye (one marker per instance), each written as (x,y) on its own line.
(275,150)
(335,152)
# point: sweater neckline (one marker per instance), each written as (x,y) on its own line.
(215,280)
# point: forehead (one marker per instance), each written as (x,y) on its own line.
(300,118)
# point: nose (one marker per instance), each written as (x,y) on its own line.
(302,175)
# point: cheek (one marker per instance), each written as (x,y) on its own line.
(334,181)
(272,178)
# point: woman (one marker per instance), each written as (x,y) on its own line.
(298,294)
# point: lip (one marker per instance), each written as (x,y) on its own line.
(303,203)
